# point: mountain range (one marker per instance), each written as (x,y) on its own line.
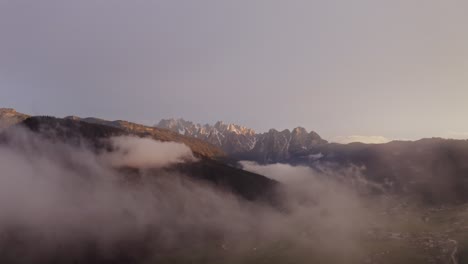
(244,143)
(434,169)
(430,175)
(93,133)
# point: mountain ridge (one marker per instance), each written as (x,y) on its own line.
(10,117)
(237,140)
(198,146)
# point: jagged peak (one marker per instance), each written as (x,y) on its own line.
(221,126)
(219,123)
(236,138)
(275,131)
(299,130)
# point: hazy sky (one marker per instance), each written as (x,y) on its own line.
(397,69)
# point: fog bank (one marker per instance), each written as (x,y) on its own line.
(62,200)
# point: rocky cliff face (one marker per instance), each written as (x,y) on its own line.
(276,146)
(231,138)
(10,117)
(242,142)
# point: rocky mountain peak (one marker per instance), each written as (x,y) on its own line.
(9,116)
(272,131)
(242,141)
(299,130)
(219,124)
(229,137)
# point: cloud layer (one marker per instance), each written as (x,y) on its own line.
(64,202)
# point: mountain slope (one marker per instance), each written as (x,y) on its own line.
(9,116)
(92,135)
(433,170)
(198,146)
(68,205)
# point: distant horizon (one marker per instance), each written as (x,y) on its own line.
(342,139)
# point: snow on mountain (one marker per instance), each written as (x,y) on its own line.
(230,137)
(237,140)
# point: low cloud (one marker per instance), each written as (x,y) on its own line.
(64,202)
(336,202)
(146,153)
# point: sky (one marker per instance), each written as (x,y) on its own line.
(387,69)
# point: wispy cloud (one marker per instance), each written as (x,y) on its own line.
(145,152)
